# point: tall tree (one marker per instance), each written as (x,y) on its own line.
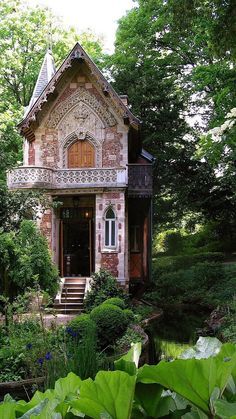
(180,86)
(25,35)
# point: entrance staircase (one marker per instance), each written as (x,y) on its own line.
(71,297)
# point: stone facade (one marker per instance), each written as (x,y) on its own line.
(84,110)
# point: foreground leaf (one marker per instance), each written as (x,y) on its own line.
(225,409)
(129,362)
(67,385)
(204,348)
(110,393)
(193,379)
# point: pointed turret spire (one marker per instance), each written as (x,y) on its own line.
(47,71)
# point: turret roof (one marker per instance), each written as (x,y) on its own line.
(46,72)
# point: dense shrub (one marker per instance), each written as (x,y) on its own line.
(111,323)
(116,301)
(23,257)
(207,238)
(129,315)
(195,284)
(167,264)
(228,328)
(81,326)
(173,243)
(103,286)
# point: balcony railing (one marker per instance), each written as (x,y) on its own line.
(140,179)
(47,178)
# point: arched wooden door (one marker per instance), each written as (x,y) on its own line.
(81,154)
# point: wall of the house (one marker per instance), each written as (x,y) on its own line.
(115,259)
(81,110)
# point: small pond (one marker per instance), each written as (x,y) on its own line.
(175,331)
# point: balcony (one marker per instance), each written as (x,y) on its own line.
(140,180)
(31,177)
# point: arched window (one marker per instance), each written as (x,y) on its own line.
(81,154)
(110,228)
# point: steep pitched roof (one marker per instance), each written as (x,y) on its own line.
(46,73)
(77,53)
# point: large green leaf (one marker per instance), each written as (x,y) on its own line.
(129,362)
(193,379)
(7,410)
(110,393)
(204,348)
(148,396)
(38,398)
(225,409)
(36,410)
(65,386)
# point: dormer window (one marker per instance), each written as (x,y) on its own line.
(110,228)
(81,154)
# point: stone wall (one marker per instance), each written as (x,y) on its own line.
(46,226)
(112,259)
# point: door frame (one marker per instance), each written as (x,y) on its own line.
(61,246)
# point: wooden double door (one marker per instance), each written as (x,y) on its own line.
(81,154)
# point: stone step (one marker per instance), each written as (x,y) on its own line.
(72,294)
(73,285)
(73,291)
(76,280)
(71,300)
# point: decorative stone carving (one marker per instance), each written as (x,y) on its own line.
(80,119)
(81,112)
(86,177)
(30,175)
(47,178)
(86,97)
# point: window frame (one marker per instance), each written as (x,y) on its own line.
(110,230)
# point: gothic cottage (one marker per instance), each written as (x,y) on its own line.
(82,145)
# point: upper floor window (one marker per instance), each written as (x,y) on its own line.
(81,154)
(110,228)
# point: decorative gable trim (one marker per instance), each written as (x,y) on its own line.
(81,95)
(77,54)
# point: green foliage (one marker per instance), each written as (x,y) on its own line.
(142,311)
(172,243)
(129,315)
(103,286)
(228,328)
(203,283)
(195,386)
(81,326)
(167,264)
(111,323)
(130,336)
(116,301)
(24,257)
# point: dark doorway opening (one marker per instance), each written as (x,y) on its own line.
(76,242)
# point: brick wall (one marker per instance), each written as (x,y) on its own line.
(110,262)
